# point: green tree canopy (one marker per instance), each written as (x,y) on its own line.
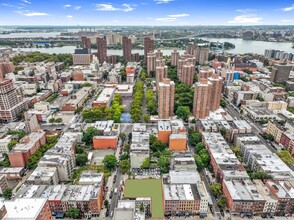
(7,194)
(216,189)
(222,201)
(81,159)
(89,134)
(73,212)
(183,112)
(109,161)
(124,166)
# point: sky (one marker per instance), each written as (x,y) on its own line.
(146,12)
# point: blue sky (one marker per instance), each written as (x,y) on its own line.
(146,12)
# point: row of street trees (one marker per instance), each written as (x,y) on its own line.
(109,113)
(136,106)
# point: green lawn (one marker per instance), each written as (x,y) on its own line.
(147,188)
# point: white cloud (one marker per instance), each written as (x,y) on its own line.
(245,10)
(246,19)
(67,6)
(163,1)
(291,8)
(34,14)
(110,7)
(78,7)
(287,21)
(166,19)
(25,1)
(178,15)
(69,16)
(7,5)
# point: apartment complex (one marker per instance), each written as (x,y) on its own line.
(148,47)
(166,95)
(10,103)
(102,49)
(20,154)
(127,48)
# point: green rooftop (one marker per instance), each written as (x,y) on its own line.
(147,188)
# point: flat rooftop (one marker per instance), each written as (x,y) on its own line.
(28,209)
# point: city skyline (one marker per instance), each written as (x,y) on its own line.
(146,12)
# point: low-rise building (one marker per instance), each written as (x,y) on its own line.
(44,176)
(139,149)
(182,199)
(13,173)
(77,99)
(178,142)
(164,131)
(3,183)
(20,154)
(105,98)
(91,178)
(87,198)
(283,192)
(27,208)
(108,135)
(62,155)
(270,201)
(243,197)
(4,144)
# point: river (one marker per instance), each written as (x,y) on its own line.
(241,47)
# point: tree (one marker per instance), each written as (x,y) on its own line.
(89,134)
(124,157)
(7,194)
(195,138)
(223,103)
(146,118)
(124,166)
(222,201)
(82,159)
(216,189)
(106,203)
(199,147)
(163,164)
(199,162)
(51,120)
(146,163)
(109,161)
(86,84)
(11,144)
(127,148)
(58,120)
(73,212)
(204,157)
(157,146)
(142,207)
(286,157)
(183,112)
(122,136)
(260,175)
(268,136)
(237,151)
(223,132)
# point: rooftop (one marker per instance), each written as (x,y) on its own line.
(28,209)
(181,192)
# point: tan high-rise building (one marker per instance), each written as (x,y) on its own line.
(159,62)
(113,38)
(188,73)
(217,83)
(202,96)
(161,73)
(148,47)
(174,57)
(203,56)
(10,103)
(151,62)
(158,54)
(166,96)
(181,64)
(127,49)
(101,49)
(205,72)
